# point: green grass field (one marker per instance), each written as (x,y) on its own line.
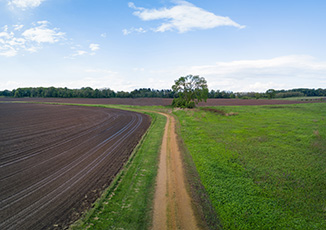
(264,167)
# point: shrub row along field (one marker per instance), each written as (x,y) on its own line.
(55,160)
(262,166)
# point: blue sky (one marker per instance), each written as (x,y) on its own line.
(236,45)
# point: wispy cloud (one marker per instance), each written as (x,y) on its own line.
(94,47)
(133,30)
(14,40)
(259,75)
(100,78)
(18,27)
(102,71)
(43,34)
(79,51)
(284,65)
(25,4)
(183,17)
(7,51)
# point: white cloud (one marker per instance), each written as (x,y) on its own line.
(183,17)
(79,51)
(285,72)
(260,86)
(44,22)
(43,34)
(14,40)
(133,30)
(5,35)
(259,75)
(10,85)
(25,4)
(284,65)
(100,78)
(132,5)
(32,49)
(18,27)
(94,47)
(126,32)
(101,71)
(137,69)
(7,51)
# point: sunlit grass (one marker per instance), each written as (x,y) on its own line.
(263,167)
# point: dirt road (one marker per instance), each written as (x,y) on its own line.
(172,203)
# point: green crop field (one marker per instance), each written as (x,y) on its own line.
(264,167)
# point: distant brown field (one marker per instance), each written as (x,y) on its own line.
(157,101)
(55,160)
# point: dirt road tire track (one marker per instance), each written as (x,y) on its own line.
(48,177)
(172,202)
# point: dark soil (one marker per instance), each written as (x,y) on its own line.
(158,101)
(56,160)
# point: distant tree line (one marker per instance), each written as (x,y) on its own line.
(269,94)
(88,92)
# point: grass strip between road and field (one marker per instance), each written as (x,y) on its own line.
(127,203)
(262,166)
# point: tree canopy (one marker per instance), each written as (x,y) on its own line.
(190,90)
(85,92)
(88,92)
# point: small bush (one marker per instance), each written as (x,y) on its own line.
(190,104)
(178,102)
(181,103)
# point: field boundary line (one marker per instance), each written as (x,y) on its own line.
(114,184)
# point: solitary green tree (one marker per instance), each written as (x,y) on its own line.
(190,91)
(271,93)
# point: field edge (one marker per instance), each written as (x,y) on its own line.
(157,120)
(205,213)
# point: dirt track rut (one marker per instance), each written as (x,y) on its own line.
(172,203)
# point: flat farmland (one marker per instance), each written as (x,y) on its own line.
(55,160)
(158,101)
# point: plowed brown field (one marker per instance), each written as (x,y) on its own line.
(55,160)
(158,101)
